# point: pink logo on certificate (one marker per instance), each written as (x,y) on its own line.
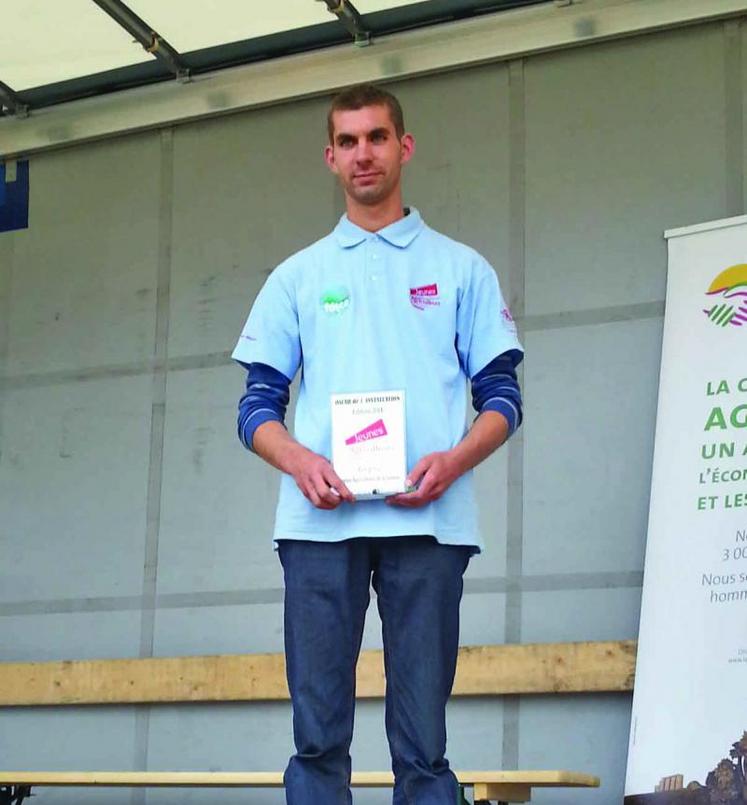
(373,431)
(424,296)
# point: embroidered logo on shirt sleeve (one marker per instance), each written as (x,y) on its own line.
(508,319)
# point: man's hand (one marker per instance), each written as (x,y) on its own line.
(435,473)
(318,481)
(313,474)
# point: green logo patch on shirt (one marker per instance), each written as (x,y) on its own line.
(335,300)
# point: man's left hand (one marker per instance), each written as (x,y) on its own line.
(434,473)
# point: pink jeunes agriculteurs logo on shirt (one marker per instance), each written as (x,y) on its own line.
(373,431)
(425,296)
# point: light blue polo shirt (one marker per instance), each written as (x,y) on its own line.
(402,308)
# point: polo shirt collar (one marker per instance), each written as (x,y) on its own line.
(401,233)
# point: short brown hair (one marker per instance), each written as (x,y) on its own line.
(361,95)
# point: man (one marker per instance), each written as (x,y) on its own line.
(383,302)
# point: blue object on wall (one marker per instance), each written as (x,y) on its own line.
(14,198)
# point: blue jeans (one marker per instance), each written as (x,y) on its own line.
(418,583)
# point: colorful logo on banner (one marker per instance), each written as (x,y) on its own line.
(373,431)
(729,294)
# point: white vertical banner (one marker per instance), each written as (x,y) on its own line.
(687,740)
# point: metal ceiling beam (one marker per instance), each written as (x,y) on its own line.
(350,17)
(151,41)
(499,37)
(10,101)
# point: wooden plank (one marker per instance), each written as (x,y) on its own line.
(134,779)
(502,792)
(241,677)
(271,779)
(482,671)
(546,668)
(535,778)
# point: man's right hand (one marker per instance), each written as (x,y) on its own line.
(318,481)
(313,474)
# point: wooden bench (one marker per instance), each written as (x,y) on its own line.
(481,671)
(488,786)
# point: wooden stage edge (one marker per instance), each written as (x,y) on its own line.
(491,670)
(270,779)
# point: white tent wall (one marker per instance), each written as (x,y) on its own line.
(133,523)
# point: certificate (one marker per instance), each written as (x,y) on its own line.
(368,442)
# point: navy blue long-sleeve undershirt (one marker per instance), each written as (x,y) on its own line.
(265,400)
(494,388)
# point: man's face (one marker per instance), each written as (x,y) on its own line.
(366,153)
